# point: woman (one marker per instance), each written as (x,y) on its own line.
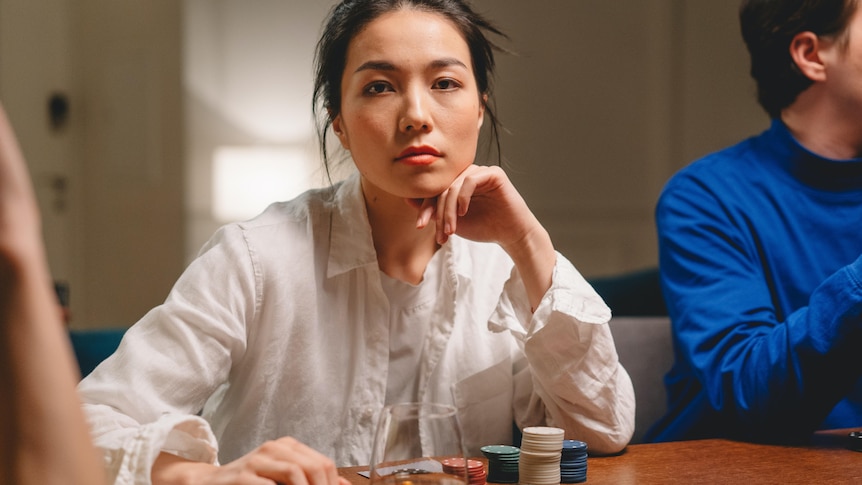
(423,277)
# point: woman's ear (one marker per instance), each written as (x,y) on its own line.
(808,52)
(338,129)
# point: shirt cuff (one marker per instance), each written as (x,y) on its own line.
(130,453)
(569,294)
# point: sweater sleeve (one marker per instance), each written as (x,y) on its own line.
(575,369)
(146,397)
(767,377)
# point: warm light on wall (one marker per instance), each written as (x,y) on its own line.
(246,179)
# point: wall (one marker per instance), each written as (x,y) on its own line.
(108,181)
(129,66)
(35,62)
(247,82)
(602,102)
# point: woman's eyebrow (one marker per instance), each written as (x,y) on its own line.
(388,66)
(376,66)
(448,62)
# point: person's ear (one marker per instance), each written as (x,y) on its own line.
(808,51)
(338,129)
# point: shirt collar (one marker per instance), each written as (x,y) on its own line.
(351,245)
(810,168)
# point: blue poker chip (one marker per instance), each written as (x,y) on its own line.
(580,474)
(573,477)
(573,462)
(575,445)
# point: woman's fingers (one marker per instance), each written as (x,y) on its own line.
(465,195)
(300,465)
(285,461)
(425,209)
(480,204)
(440,221)
(284,473)
(451,204)
(319,469)
(276,461)
(454,203)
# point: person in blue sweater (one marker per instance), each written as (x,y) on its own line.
(760,244)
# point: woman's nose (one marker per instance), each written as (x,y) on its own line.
(415,115)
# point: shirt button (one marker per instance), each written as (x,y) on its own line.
(368,414)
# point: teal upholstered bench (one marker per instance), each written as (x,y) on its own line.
(633,294)
(91,347)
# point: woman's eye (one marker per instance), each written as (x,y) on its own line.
(446,84)
(377,88)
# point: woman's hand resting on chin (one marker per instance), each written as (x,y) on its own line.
(483,205)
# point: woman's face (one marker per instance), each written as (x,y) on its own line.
(410,109)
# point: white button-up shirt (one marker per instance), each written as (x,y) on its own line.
(280,327)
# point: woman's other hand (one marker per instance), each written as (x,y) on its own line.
(284,461)
(483,205)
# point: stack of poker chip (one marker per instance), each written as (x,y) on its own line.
(502,463)
(475,469)
(573,462)
(539,462)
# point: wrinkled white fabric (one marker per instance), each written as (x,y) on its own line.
(280,327)
(411,311)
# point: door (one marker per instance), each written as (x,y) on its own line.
(34,70)
(109,180)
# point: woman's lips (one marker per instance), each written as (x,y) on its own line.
(418,156)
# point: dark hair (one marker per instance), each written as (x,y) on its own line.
(768,27)
(349,17)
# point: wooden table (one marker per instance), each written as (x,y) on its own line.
(713,461)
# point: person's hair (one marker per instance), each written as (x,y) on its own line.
(349,17)
(768,27)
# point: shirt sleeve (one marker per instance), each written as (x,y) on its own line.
(129,448)
(575,370)
(146,397)
(763,376)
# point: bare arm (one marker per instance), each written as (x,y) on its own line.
(45,439)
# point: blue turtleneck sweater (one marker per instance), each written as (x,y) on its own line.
(760,249)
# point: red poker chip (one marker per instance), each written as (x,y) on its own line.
(476,473)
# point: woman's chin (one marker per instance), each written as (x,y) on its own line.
(419,197)
(426,191)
